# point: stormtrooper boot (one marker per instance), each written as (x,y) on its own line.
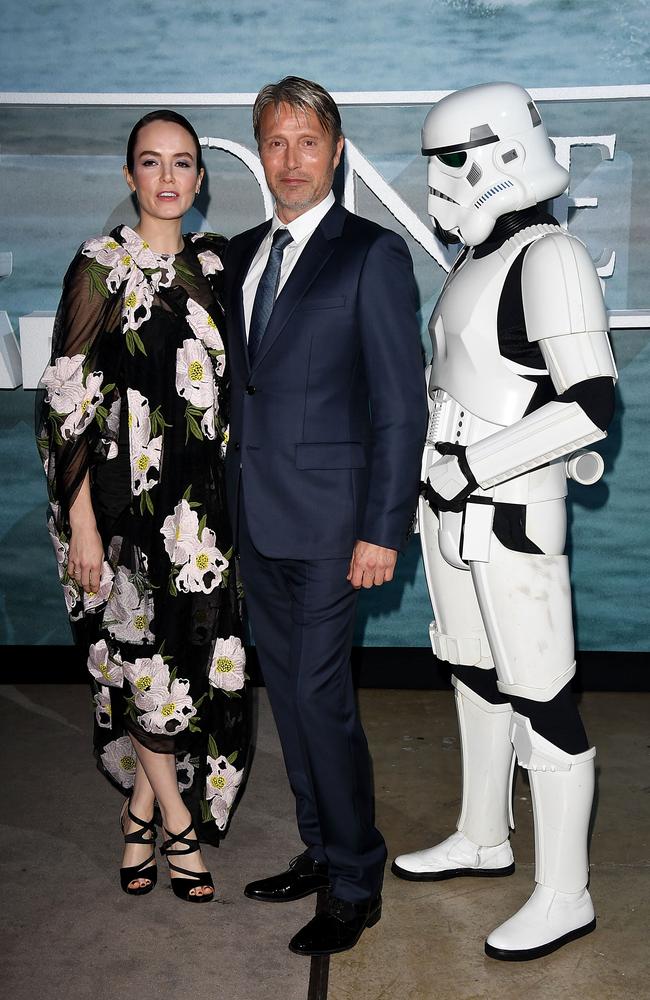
(480,846)
(560,908)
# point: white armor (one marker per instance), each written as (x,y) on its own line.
(479,400)
(503,601)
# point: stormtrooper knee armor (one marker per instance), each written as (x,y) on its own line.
(522,378)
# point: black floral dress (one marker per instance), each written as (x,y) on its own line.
(135,397)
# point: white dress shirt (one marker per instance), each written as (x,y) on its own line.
(301,229)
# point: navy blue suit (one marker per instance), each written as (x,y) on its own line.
(326,437)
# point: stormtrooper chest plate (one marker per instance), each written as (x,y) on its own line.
(467,363)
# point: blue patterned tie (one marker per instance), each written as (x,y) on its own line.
(266,291)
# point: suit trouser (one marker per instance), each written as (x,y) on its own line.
(302,617)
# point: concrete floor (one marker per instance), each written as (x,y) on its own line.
(429,946)
(70,934)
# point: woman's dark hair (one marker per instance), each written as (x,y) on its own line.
(163,115)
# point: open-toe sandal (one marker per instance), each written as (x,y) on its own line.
(145,870)
(193,880)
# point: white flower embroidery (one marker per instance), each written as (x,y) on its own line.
(204,569)
(64,382)
(59,542)
(210,262)
(99,597)
(123,268)
(184,772)
(71,395)
(112,430)
(173,712)
(205,329)
(89,398)
(228,663)
(225,438)
(119,759)
(220,811)
(149,680)
(221,784)
(194,380)
(103,708)
(128,615)
(207,423)
(146,452)
(180,531)
(142,254)
(72,602)
(105,250)
(104,666)
(138,297)
(146,259)
(197,236)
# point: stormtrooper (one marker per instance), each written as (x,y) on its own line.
(521,384)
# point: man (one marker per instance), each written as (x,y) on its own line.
(522,377)
(328,417)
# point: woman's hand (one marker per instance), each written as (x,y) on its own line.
(86,552)
(85,557)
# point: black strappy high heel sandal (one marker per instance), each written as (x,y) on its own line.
(183,886)
(145,869)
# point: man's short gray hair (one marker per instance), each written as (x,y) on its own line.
(300,95)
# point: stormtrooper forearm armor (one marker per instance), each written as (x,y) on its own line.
(570,327)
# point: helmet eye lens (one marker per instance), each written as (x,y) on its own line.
(457,159)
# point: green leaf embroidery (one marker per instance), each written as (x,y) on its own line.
(212,747)
(158,422)
(206,815)
(184,272)
(233,757)
(97,274)
(192,427)
(133,341)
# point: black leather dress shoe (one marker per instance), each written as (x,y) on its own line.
(336,928)
(303,877)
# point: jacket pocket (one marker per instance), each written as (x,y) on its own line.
(330,455)
(333,303)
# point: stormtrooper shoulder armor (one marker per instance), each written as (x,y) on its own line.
(560,289)
(564,310)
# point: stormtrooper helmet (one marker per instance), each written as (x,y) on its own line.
(489,154)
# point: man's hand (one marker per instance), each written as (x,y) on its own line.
(371,565)
(450,481)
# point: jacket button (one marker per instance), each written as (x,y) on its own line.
(250,389)
(236,446)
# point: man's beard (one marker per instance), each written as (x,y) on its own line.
(295,205)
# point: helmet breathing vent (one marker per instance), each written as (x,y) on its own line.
(492,191)
(474,174)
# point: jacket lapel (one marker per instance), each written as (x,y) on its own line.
(319,248)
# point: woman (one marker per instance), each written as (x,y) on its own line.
(131,431)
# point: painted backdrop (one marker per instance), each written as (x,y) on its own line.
(60,182)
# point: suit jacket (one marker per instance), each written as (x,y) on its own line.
(327,428)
